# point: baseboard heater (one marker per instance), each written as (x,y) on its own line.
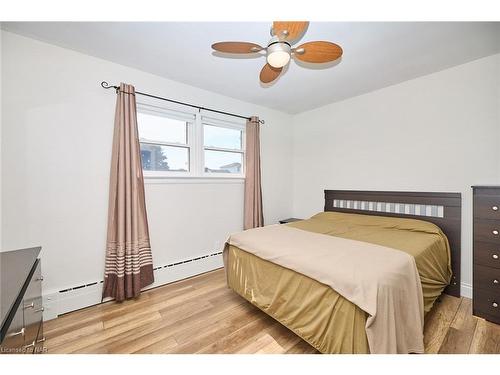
(88,294)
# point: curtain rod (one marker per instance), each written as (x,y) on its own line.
(106,85)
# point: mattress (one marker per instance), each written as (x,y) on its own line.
(316,312)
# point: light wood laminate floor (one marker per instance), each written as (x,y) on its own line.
(201,315)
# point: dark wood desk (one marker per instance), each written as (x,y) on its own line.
(21,311)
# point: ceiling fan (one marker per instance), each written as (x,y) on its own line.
(279,49)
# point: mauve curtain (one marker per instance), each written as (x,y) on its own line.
(129,264)
(253,214)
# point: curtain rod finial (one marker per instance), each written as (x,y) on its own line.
(106,85)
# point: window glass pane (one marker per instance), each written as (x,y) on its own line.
(215,136)
(223,162)
(159,128)
(164,158)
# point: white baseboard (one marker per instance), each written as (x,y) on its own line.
(182,271)
(62,302)
(466,290)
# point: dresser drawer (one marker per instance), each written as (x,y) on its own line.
(487,230)
(487,278)
(487,207)
(487,254)
(487,304)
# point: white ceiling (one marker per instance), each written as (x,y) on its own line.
(376,55)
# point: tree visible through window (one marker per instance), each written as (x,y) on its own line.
(153,158)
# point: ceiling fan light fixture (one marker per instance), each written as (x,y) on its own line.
(278,54)
(279,49)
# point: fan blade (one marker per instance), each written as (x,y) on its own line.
(269,73)
(237,47)
(289,30)
(318,52)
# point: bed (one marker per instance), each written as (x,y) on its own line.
(423,225)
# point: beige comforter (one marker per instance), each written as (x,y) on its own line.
(383,282)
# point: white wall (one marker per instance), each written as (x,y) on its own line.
(58,125)
(435,133)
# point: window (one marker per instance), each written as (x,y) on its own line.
(165,143)
(223,149)
(177,144)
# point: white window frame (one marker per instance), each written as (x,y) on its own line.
(190,123)
(195,145)
(227,125)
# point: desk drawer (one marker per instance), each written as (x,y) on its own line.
(40,341)
(33,311)
(14,339)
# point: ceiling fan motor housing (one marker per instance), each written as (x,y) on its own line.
(278,53)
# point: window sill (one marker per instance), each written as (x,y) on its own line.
(193,180)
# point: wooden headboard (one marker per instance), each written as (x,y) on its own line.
(442,209)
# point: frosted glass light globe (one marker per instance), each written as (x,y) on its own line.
(278,59)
